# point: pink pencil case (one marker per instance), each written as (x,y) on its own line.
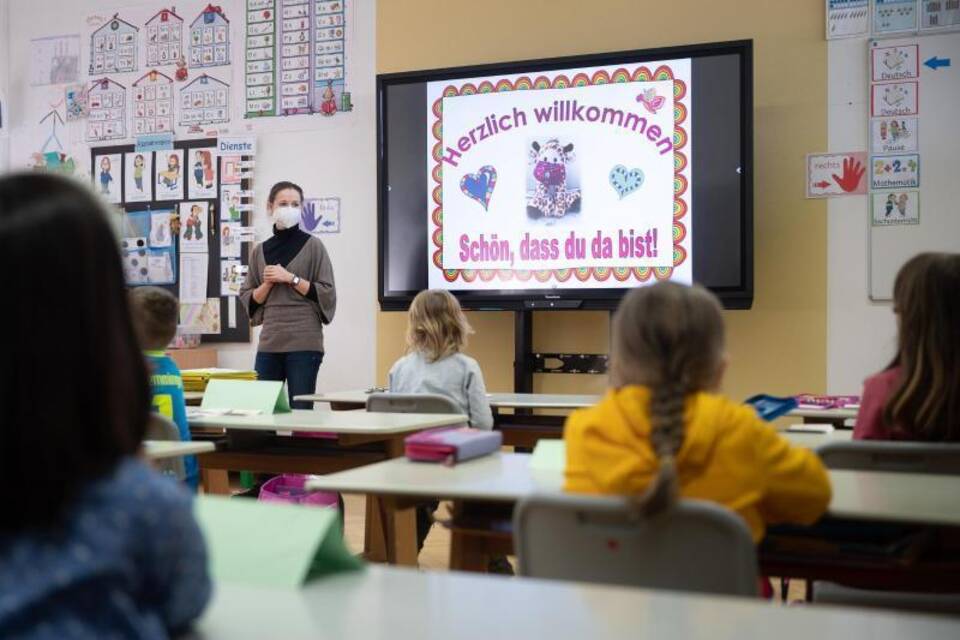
(450,445)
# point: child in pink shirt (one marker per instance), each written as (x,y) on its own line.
(918,396)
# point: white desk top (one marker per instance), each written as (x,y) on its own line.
(548,401)
(814,440)
(507,477)
(352,422)
(391,603)
(161,449)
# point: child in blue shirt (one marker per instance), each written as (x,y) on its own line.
(93,542)
(155,312)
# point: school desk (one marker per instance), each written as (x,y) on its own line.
(357,438)
(484,491)
(388,603)
(521,428)
(163,449)
(193,398)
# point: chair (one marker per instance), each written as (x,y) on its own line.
(883,455)
(893,456)
(411,403)
(694,546)
(161,428)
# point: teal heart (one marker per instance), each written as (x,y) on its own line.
(625,181)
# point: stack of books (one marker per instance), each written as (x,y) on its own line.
(197,379)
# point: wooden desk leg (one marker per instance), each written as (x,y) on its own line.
(467,553)
(215,481)
(399,525)
(374,540)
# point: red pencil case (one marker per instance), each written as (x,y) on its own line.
(449,445)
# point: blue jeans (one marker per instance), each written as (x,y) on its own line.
(298,368)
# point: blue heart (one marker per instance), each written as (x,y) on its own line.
(625,181)
(479,186)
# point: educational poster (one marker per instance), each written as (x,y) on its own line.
(107,173)
(205,100)
(585,173)
(230,239)
(894,99)
(160,268)
(230,203)
(895,207)
(892,16)
(54,60)
(232,276)
(201,318)
(153,103)
(160,232)
(321,215)
(203,172)
(193,227)
(836,174)
(296,59)
(210,38)
(136,269)
(939,14)
(193,277)
(138,174)
(164,37)
(847,18)
(895,172)
(891,135)
(106,110)
(230,170)
(894,63)
(114,45)
(170,175)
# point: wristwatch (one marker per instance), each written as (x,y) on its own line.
(295,281)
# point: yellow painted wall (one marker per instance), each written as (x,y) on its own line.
(780,345)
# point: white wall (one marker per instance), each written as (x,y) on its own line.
(327,160)
(861,335)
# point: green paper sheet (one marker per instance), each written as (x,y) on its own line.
(549,455)
(264,396)
(270,544)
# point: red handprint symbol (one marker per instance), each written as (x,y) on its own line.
(853,171)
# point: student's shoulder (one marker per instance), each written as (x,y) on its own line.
(466,362)
(404,362)
(730,419)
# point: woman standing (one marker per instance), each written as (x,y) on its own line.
(290,291)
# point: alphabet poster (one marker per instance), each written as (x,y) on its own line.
(139,177)
(586,170)
(170,175)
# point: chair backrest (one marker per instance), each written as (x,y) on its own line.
(884,455)
(693,546)
(162,428)
(411,403)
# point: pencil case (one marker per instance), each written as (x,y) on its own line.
(771,407)
(450,445)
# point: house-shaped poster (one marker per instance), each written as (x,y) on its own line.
(113,47)
(164,33)
(106,110)
(153,103)
(210,38)
(205,100)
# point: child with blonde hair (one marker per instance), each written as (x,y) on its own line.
(663,431)
(436,334)
(437,331)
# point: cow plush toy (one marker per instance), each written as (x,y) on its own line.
(552,198)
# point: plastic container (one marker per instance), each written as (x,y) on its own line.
(289,488)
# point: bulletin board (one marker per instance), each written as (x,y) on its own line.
(146,243)
(914,144)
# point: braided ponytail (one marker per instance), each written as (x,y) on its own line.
(668,337)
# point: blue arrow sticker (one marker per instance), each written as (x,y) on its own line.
(935,62)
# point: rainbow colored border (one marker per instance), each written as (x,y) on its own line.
(583,274)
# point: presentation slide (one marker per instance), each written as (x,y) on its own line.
(576,178)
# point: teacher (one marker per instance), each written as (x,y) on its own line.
(290,291)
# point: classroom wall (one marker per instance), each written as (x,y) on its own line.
(861,334)
(4,74)
(326,160)
(780,345)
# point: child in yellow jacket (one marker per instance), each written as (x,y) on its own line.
(662,430)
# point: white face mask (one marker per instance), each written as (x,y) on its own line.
(286,217)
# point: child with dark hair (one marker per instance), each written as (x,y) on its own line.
(917,397)
(663,431)
(155,314)
(93,542)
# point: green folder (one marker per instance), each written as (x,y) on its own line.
(271,544)
(265,396)
(549,455)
